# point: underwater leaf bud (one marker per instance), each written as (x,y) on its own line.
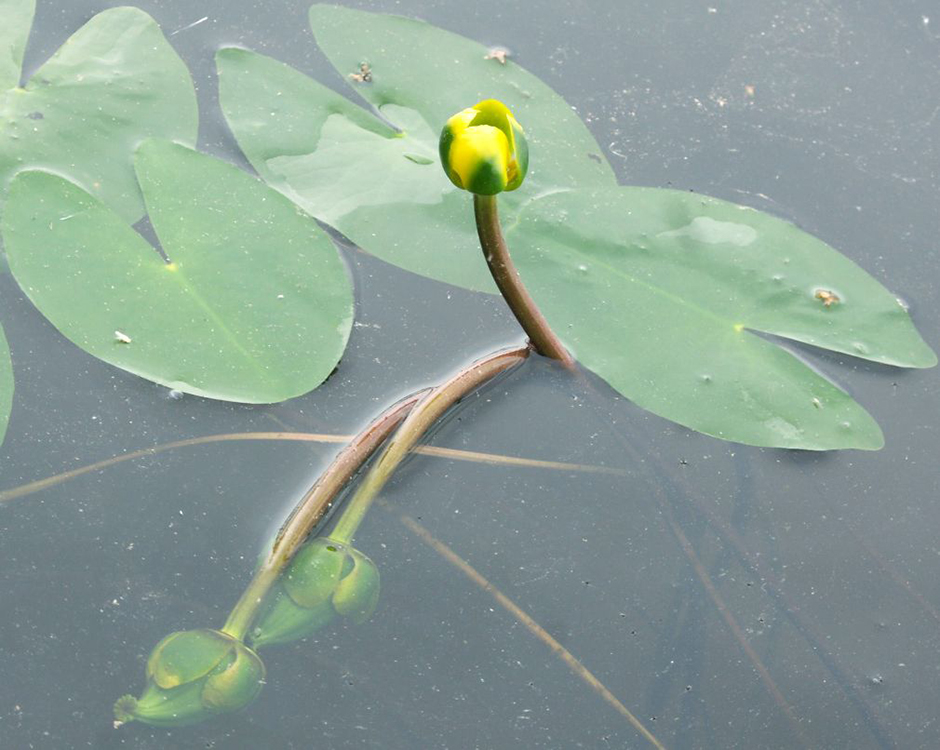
(357,594)
(484,150)
(324,579)
(191,676)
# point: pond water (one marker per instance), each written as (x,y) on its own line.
(727,596)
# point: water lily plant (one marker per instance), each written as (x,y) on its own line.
(578,232)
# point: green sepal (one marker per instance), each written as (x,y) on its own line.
(522,156)
(185,656)
(357,595)
(326,578)
(236,684)
(447,139)
(314,572)
(192,675)
(285,621)
(487,178)
(176,707)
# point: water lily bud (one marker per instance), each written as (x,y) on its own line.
(324,579)
(484,150)
(192,675)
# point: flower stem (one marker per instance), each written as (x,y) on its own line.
(312,508)
(419,420)
(510,285)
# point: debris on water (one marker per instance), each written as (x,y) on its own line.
(122,337)
(500,54)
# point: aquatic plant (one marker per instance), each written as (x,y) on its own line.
(661,293)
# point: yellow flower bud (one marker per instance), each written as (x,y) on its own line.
(484,150)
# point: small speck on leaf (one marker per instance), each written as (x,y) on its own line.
(497,53)
(828,297)
(364,75)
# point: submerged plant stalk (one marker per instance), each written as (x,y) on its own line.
(421,418)
(311,510)
(426,407)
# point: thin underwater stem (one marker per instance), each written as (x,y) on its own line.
(421,418)
(510,285)
(453,454)
(312,508)
(530,624)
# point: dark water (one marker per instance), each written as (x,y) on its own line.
(823,112)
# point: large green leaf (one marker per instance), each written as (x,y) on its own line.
(115,82)
(658,292)
(17,17)
(382,188)
(256,305)
(6,384)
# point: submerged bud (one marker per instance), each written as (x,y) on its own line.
(484,150)
(192,675)
(324,579)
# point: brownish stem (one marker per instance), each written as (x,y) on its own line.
(510,285)
(311,509)
(419,420)
(415,414)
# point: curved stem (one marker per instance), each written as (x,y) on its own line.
(510,285)
(311,509)
(421,418)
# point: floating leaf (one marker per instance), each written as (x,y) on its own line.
(659,292)
(17,17)
(382,188)
(115,82)
(256,305)
(6,384)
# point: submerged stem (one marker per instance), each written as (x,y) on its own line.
(311,509)
(510,285)
(426,407)
(421,418)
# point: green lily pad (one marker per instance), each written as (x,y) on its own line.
(6,385)
(660,292)
(256,305)
(17,17)
(115,82)
(382,186)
